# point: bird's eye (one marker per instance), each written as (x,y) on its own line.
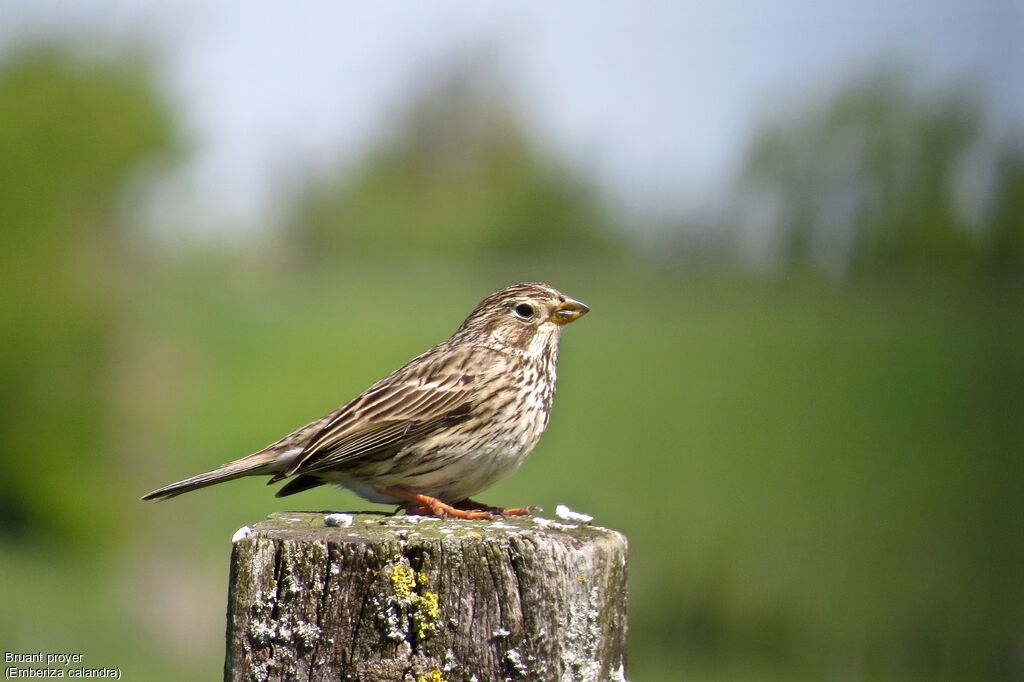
(523,311)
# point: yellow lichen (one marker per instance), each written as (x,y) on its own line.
(434,676)
(421,578)
(426,608)
(403,578)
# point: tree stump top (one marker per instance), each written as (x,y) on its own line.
(373,527)
(378,597)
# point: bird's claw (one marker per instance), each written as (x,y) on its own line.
(424,505)
(519,511)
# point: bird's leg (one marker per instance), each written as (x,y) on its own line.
(432,505)
(469,504)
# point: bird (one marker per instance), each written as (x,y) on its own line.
(439,430)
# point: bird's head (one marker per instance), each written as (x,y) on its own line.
(523,316)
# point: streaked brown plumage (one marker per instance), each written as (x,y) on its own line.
(438,430)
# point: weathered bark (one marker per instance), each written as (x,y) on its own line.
(399,598)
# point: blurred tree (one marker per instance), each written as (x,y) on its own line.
(871,183)
(1006,246)
(71,135)
(458,177)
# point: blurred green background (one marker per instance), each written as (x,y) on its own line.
(816,453)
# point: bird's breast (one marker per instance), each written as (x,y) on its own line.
(508,418)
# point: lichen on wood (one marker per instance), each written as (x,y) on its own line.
(410,598)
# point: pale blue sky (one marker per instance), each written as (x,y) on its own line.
(657,98)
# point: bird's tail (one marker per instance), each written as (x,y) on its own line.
(257,463)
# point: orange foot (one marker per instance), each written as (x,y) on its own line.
(424,505)
(511,511)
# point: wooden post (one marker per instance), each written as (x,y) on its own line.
(379,598)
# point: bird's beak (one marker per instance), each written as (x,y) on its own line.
(568,311)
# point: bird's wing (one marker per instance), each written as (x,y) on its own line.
(428,394)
